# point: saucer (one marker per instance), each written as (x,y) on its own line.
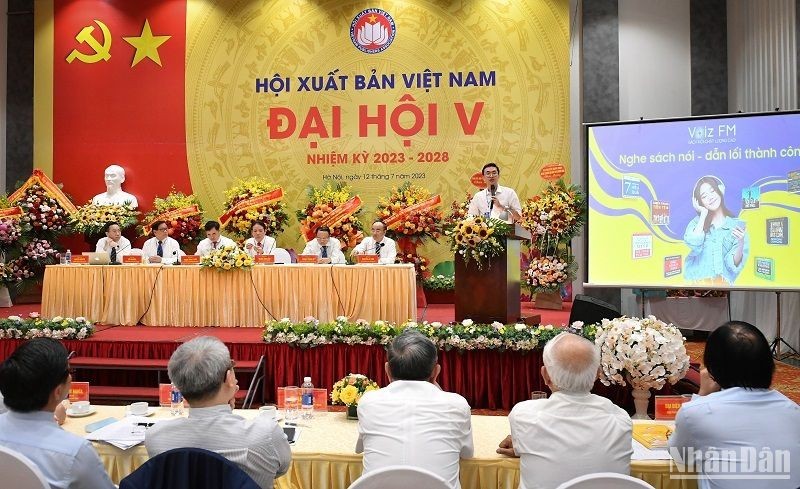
(73,414)
(150,411)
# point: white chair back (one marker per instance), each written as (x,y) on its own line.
(399,477)
(19,472)
(605,480)
(281,256)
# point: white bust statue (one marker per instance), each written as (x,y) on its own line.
(114,177)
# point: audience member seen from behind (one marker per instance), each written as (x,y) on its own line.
(202,370)
(412,421)
(35,380)
(574,432)
(737,423)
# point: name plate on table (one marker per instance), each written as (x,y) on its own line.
(190,260)
(79,391)
(132,259)
(367,259)
(80,259)
(264,259)
(307,258)
(667,406)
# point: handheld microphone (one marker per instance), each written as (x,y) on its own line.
(492,191)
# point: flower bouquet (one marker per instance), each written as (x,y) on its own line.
(227,258)
(10,229)
(15,327)
(458,212)
(548,273)
(556,215)
(440,283)
(645,353)
(411,211)
(254,199)
(42,213)
(337,208)
(479,239)
(182,212)
(421,264)
(90,219)
(349,390)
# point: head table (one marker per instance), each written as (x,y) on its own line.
(324,458)
(189,295)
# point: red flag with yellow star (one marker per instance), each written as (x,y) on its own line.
(118,96)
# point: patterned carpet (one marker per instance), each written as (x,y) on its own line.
(786,379)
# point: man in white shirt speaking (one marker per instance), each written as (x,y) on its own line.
(114,243)
(574,432)
(213,240)
(412,421)
(202,370)
(378,244)
(495,201)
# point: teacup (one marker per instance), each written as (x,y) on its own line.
(268,410)
(138,408)
(80,407)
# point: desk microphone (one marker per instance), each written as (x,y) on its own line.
(116,253)
(177,258)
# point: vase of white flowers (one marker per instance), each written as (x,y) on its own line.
(645,353)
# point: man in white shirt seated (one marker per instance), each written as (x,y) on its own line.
(213,240)
(34,381)
(378,244)
(574,432)
(495,201)
(738,433)
(326,248)
(202,370)
(115,244)
(412,421)
(259,243)
(161,248)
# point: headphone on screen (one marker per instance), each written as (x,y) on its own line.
(720,185)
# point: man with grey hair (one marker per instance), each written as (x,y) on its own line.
(412,421)
(202,370)
(574,432)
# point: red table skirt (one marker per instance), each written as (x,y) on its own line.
(488,379)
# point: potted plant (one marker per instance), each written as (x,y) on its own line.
(349,390)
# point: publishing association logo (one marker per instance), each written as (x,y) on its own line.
(372,30)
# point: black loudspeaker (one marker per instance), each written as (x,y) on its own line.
(591,310)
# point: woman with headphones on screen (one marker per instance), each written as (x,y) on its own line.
(717,240)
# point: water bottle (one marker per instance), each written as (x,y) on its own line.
(175,401)
(68,257)
(307,390)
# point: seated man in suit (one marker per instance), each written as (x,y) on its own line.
(35,381)
(574,432)
(413,421)
(202,370)
(115,244)
(326,248)
(378,244)
(161,248)
(213,240)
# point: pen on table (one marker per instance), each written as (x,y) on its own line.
(146,425)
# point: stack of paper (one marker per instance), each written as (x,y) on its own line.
(651,435)
(124,434)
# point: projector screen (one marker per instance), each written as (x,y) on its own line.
(695,203)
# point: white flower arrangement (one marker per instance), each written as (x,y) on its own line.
(646,353)
(59,328)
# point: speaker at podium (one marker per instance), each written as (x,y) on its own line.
(590,310)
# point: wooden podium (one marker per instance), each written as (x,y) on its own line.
(492,293)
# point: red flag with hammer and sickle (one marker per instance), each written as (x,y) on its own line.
(118,96)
